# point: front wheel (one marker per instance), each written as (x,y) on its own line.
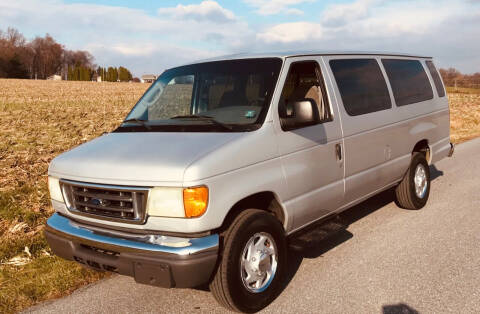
(252,268)
(414,189)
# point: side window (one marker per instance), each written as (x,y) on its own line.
(361,85)
(436,78)
(409,81)
(304,82)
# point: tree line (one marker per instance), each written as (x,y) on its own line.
(43,57)
(453,77)
(110,74)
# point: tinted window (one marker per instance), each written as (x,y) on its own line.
(361,85)
(436,79)
(409,81)
(304,81)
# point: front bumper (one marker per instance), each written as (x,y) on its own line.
(154,260)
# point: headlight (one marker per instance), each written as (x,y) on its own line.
(177,202)
(166,202)
(55,190)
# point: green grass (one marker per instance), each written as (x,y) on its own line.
(10,208)
(38,121)
(26,285)
(44,276)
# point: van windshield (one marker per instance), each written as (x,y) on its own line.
(220,96)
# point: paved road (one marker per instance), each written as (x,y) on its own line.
(388,261)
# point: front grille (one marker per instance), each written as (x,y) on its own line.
(126,204)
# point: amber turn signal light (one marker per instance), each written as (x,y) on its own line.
(195,201)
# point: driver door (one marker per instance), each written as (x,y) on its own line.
(311,156)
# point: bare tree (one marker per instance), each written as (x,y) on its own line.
(47,59)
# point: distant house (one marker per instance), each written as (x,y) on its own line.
(54,77)
(96,77)
(148,78)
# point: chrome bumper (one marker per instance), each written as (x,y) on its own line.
(64,227)
(150,259)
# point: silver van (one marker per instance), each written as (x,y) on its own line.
(222,161)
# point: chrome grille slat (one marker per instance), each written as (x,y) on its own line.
(110,197)
(117,203)
(112,208)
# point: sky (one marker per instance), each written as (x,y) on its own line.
(151,36)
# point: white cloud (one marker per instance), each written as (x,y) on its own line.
(291,33)
(119,34)
(148,58)
(340,14)
(151,41)
(361,19)
(205,11)
(447,30)
(293,11)
(271,7)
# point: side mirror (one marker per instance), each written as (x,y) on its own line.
(300,113)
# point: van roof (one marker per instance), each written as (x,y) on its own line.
(286,54)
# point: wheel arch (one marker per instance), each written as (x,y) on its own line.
(423,147)
(265,200)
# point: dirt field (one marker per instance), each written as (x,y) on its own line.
(41,119)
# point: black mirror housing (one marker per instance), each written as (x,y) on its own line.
(299,113)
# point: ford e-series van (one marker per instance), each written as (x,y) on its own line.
(221,161)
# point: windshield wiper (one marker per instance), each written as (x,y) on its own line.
(139,121)
(204,118)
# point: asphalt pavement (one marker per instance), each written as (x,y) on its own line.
(389,260)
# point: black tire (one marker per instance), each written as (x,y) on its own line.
(227,286)
(406,197)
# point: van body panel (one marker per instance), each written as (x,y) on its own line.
(229,188)
(378,145)
(314,175)
(140,158)
(440,149)
(234,154)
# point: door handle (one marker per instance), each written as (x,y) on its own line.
(338,151)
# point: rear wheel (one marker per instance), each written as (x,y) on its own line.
(414,189)
(252,268)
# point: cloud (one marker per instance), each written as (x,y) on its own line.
(361,20)
(205,11)
(152,41)
(148,58)
(291,33)
(271,7)
(124,34)
(341,14)
(443,29)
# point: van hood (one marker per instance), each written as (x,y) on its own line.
(137,158)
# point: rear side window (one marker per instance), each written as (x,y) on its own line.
(409,81)
(361,85)
(436,78)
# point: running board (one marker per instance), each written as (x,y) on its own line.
(316,233)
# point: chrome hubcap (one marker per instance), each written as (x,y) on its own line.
(420,181)
(258,262)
